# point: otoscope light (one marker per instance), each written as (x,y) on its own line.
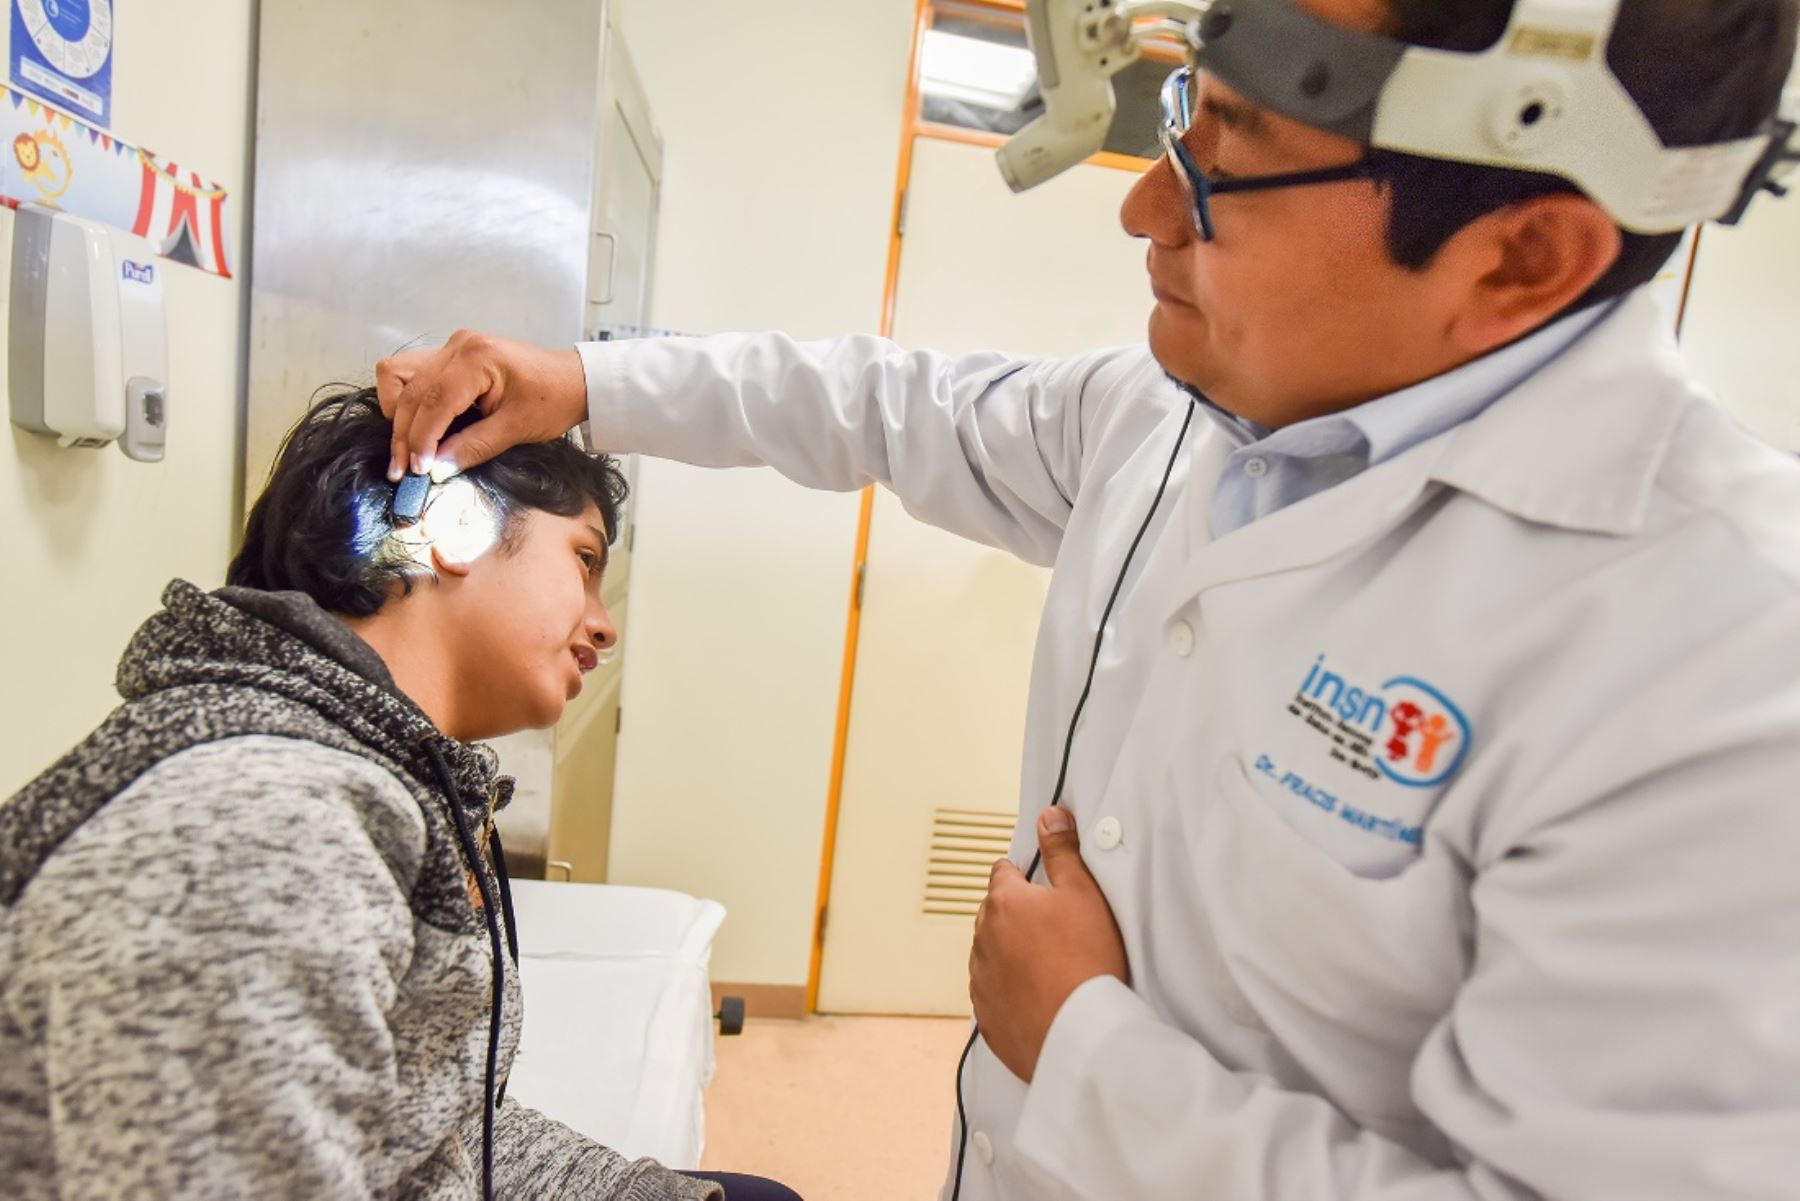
(453,518)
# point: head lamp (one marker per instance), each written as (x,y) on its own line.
(1542,98)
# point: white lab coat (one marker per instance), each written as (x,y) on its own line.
(1451,817)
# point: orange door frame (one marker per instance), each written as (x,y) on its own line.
(911,128)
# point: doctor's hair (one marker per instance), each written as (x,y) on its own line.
(1702,71)
(323,523)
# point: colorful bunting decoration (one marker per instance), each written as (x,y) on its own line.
(181,213)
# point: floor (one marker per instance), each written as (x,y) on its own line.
(837,1108)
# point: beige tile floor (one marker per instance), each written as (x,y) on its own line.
(837,1108)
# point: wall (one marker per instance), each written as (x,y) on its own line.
(1742,313)
(89,538)
(781,122)
(949,627)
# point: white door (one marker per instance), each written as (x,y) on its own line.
(1742,311)
(560,820)
(931,773)
(626,193)
(587,739)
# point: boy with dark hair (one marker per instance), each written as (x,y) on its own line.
(254,929)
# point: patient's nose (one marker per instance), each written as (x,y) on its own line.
(600,626)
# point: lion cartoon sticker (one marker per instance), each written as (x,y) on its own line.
(33,153)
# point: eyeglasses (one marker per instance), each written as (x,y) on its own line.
(1178,94)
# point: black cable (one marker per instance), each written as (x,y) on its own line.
(1062,773)
(448,782)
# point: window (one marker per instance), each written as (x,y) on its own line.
(976,73)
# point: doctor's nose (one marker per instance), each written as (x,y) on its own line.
(1157,208)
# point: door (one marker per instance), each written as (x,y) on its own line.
(560,822)
(626,192)
(931,773)
(1742,311)
(586,747)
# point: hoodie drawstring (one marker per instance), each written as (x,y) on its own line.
(506,902)
(489,1093)
(498,854)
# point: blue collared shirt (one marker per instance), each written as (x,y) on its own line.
(1272,470)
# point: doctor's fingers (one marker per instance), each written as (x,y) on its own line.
(394,377)
(977,985)
(1005,874)
(428,389)
(1003,877)
(394,373)
(1061,847)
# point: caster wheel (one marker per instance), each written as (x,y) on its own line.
(731,1015)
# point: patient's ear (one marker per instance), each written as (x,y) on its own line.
(445,560)
(460,526)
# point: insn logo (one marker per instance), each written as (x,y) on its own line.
(138,273)
(1405,730)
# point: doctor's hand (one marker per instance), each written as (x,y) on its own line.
(1035,945)
(526,394)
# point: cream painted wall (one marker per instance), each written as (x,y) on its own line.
(1742,314)
(1743,309)
(781,122)
(89,538)
(949,627)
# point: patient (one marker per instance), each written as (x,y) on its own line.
(253,928)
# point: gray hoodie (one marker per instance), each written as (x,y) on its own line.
(242,953)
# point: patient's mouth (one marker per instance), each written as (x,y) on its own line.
(586,658)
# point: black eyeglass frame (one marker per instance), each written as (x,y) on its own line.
(1178,118)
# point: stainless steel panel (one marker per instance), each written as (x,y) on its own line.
(426,165)
(421,165)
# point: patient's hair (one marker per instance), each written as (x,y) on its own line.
(323,522)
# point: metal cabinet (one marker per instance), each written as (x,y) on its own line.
(428,165)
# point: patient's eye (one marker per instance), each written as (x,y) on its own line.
(592,563)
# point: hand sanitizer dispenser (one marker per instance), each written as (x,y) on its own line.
(88,358)
(143,348)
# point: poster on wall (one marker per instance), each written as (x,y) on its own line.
(62,50)
(53,159)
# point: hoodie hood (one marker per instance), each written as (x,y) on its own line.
(213,666)
(284,644)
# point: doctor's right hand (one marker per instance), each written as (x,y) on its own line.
(526,394)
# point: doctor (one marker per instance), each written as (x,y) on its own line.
(1419,684)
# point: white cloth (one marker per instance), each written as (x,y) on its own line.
(1458,803)
(618,1035)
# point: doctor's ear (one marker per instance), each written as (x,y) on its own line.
(1527,263)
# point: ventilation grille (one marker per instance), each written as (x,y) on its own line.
(964,845)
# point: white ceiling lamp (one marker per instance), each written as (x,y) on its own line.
(990,74)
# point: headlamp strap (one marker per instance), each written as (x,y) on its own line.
(1771,170)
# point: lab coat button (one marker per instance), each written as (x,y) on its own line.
(1108,833)
(1181,639)
(1256,468)
(984,1148)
